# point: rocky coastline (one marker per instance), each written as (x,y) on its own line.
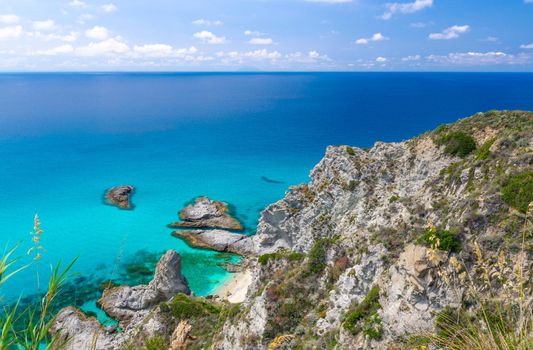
(370,254)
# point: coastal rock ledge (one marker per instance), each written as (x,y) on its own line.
(120,196)
(135,308)
(219,240)
(207,213)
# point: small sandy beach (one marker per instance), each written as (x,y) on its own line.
(234,290)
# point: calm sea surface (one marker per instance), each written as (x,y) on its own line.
(65,138)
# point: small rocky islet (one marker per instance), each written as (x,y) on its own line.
(120,196)
(207,213)
(380,250)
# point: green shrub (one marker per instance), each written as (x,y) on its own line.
(447,241)
(350,151)
(517,190)
(366,311)
(317,256)
(372,327)
(483,152)
(457,143)
(155,343)
(184,307)
(281,254)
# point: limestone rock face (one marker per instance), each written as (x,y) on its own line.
(83,332)
(124,303)
(219,240)
(372,206)
(120,196)
(207,213)
(134,308)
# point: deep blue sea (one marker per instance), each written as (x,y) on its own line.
(65,138)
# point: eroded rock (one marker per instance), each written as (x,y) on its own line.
(207,213)
(219,240)
(120,196)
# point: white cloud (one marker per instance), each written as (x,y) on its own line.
(408,7)
(411,58)
(205,22)
(331,1)
(527,46)
(84,18)
(480,58)
(69,38)
(59,50)
(163,50)
(375,37)
(252,33)
(210,38)
(263,53)
(12,32)
(77,3)
(44,25)
(381,59)
(97,33)
(528,1)
(261,41)
(108,47)
(9,19)
(452,32)
(109,8)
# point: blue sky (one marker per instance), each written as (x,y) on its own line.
(271,35)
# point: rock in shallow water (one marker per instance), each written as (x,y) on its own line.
(120,196)
(219,240)
(128,305)
(207,213)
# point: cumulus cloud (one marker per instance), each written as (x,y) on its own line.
(84,18)
(261,41)
(77,3)
(381,59)
(9,19)
(97,33)
(452,32)
(409,7)
(70,37)
(480,58)
(412,58)
(44,25)
(527,46)
(210,38)
(252,33)
(59,50)
(205,22)
(163,50)
(107,47)
(375,37)
(10,32)
(109,8)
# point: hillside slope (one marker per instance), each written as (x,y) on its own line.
(391,236)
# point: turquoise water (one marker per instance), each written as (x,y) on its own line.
(65,138)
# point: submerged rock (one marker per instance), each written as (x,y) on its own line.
(131,306)
(219,240)
(207,213)
(120,196)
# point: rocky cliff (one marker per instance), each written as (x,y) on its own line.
(383,240)
(381,243)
